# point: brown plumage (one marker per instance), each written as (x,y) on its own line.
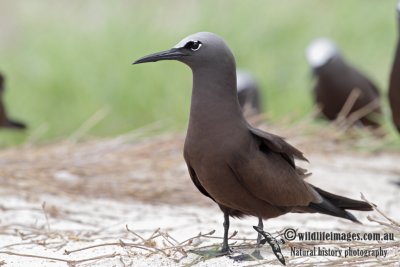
(246,171)
(394,83)
(5,122)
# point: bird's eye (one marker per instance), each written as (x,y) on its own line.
(194,46)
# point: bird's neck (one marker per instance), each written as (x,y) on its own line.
(215,104)
(336,66)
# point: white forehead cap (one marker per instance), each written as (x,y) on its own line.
(320,51)
(194,38)
(184,41)
(207,37)
(244,80)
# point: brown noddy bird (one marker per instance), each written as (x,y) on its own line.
(5,122)
(336,79)
(246,171)
(394,82)
(248,91)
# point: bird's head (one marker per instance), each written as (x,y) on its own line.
(320,51)
(197,50)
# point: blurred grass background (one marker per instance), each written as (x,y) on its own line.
(65,60)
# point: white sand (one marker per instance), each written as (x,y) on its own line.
(75,223)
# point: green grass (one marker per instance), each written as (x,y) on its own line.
(65,60)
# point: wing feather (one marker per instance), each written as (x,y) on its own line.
(270,173)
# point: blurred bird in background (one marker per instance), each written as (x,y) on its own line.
(394,82)
(249,94)
(5,122)
(342,92)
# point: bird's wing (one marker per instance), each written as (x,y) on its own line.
(278,145)
(195,180)
(270,174)
(362,76)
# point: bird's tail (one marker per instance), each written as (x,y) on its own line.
(335,205)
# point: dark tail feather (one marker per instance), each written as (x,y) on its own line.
(327,208)
(335,205)
(344,202)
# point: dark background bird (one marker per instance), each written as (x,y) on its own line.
(244,170)
(394,82)
(249,93)
(6,122)
(336,79)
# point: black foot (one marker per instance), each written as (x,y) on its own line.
(212,253)
(226,250)
(255,256)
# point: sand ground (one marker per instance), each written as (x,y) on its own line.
(121,203)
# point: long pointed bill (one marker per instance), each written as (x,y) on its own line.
(174,53)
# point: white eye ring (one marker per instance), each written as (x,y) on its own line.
(193,45)
(196,48)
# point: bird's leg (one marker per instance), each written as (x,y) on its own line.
(256,253)
(225,246)
(225,250)
(261,226)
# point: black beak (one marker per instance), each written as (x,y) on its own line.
(174,53)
